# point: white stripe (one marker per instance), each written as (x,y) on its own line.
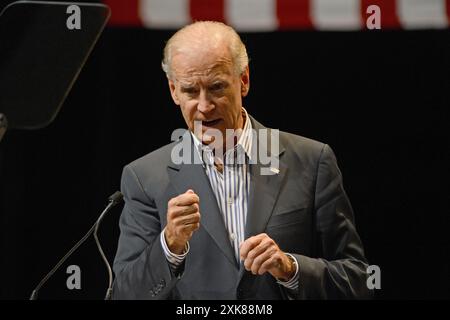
(414,14)
(336,14)
(164,14)
(251,15)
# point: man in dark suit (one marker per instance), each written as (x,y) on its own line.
(209,217)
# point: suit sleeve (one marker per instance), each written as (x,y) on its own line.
(140,265)
(339,271)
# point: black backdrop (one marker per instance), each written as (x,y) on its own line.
(380,99)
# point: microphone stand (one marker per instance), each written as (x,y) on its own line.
(105,260)
(115,199)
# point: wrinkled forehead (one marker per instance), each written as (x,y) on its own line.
(202,63)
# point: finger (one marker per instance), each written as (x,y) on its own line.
(183,210)
(188,219)
(249,244)
(265,244)
(190,228)
(186,199)
(272,262)
(195,226)
(260,249)
(261,259)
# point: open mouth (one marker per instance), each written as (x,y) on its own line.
(210,123)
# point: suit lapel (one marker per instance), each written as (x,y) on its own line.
(193,176)
(263,195)
(264,189)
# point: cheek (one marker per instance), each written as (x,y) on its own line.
(188,108)
(229,99)
(232,103)
(234,95)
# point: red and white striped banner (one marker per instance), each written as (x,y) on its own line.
(271,15)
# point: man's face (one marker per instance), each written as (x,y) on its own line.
(207,88)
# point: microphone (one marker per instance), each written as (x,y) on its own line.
(114,199)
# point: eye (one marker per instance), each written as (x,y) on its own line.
(189,90)
(218,86)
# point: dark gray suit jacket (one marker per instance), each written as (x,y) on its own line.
(304,208)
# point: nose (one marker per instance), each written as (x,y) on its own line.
(205,104)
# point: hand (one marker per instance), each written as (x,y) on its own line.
(261,254)
(183,219)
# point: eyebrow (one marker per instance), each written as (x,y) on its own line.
(187,85)
(212,80)
(188,88)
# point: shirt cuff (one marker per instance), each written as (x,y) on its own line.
(175,260)
(293,282)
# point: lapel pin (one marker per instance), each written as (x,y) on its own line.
(275,170)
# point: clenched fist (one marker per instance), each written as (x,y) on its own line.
(261,254)
(183,219)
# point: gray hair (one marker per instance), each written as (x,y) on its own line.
(236,46)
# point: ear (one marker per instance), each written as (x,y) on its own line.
(245,82)
(173,92)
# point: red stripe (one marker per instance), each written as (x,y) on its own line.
(124,13)
(447,5)
(388,8)
(294,14)
(212,10)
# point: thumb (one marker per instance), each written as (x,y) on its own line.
(190,191)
